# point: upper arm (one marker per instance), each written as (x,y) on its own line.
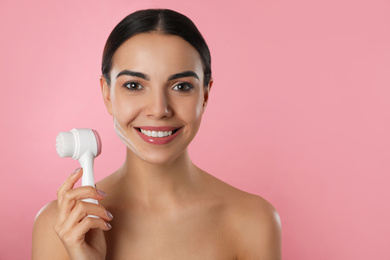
(45,242)
(259,233)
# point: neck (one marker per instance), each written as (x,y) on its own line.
(156,184)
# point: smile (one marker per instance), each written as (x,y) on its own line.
(158,135)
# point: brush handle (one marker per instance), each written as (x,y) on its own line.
(86,162)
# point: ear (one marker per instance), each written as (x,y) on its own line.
(206,94)
(106,94)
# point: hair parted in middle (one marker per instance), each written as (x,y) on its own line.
(163,21)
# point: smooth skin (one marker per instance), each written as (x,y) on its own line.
(163,206)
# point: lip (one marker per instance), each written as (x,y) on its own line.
(158,140)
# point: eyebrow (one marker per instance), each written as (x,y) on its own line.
(183,74)
(133,73)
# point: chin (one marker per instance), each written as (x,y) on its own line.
(158,157)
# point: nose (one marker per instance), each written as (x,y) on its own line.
(158,105)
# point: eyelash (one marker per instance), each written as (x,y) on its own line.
(128,85)
(188,85)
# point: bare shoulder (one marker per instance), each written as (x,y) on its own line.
(257,227)
(255,210)
(45,242)
(252,222)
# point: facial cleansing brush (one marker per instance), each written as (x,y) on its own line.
(82,145)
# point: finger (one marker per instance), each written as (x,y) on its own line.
(81,211)
(90,223)
(76,233)
(71,197)
(69,184)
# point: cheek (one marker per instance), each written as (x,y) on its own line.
(199,106)
(191,111)
(125,109)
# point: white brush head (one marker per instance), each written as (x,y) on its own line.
(78,141)
(65,144)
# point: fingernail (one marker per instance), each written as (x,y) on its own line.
(109,215)
(101,193)
(108,225)
(78,169)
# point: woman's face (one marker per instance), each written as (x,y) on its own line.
(156,95)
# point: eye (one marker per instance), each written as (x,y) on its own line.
(133,86)
(183,87)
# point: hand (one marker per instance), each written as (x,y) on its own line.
(82,236)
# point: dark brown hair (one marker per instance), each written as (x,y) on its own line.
(160,20)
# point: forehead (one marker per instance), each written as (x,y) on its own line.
(157,53)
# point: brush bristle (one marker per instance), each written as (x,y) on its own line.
(65,144)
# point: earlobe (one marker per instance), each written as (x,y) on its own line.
(106,94)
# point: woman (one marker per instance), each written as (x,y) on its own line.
(156,79)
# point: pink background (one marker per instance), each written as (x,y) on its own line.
(299,112)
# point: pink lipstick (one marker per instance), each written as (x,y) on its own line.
(158,135)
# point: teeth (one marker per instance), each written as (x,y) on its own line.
(158,134)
